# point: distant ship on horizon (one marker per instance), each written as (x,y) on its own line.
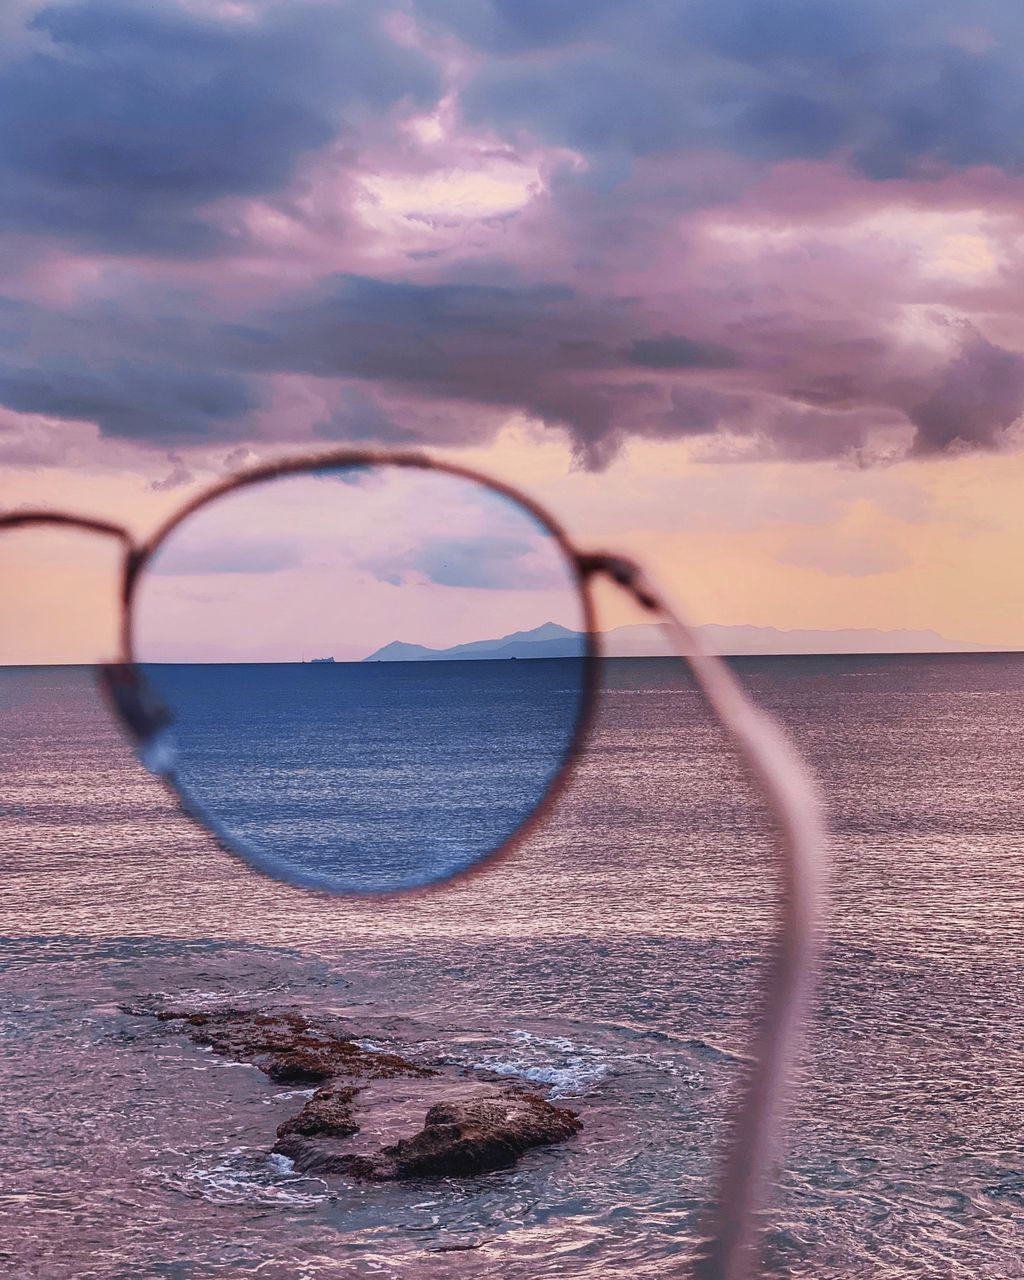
(315,660)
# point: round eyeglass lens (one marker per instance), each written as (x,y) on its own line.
(372,674)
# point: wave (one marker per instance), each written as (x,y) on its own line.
(570,1070)
(245,1177)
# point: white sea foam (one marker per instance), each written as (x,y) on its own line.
(214,999)
(569,1069)
(242,1177)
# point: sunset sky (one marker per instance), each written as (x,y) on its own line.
(732,287)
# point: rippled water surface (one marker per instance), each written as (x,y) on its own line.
(614,960)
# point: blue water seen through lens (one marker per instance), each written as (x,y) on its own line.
(378,776)
(370,685)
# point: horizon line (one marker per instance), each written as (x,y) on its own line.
(426,662)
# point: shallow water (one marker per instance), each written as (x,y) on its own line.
(614,959)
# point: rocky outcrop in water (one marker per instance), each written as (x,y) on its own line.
(328,1114)
(288,1046)
(461,1136)
(366,1117)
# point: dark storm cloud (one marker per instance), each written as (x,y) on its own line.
(892,86)
(538,348)
(447,358)
(449,337)
(517,26)
(131,399)
(614,305)
(699,411)
(980,396)
(672,351)
(120,122)
(165,371)
(358,415)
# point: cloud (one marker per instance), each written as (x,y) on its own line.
(517,26)
(706,238)
(486,562)
(359,416)
(179,475)
(28,441)
(403,362)
(190,553)
(861,539)
(240,457)
(980,396)
(672,351)
(889,87)
(122,122)
(843,555)
(540,349)
(128,398)
(514,346)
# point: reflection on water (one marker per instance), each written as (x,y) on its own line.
(613,958)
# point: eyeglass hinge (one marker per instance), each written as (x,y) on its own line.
(623,571)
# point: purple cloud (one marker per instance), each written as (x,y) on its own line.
(120,123)
(296,197)
(980,396)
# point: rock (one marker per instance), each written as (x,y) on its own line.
(461,1138)
(290,1047)
(313,1156)
(327,1114)
(472,1125)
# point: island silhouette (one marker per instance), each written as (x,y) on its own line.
(647,640)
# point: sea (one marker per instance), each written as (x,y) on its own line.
(613,960)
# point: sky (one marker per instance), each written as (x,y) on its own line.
(730,285)
(342,562)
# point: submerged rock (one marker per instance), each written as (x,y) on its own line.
(471,1125)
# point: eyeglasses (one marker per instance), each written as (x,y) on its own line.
(464,621)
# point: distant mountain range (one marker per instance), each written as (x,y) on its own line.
(647,640)
(547,641)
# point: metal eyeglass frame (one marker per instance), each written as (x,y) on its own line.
(729,1247)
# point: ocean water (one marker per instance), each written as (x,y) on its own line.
(368,776)
(613,959)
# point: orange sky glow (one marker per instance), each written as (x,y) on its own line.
(786,545)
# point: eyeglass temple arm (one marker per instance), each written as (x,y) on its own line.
(24,517)
(791,796)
